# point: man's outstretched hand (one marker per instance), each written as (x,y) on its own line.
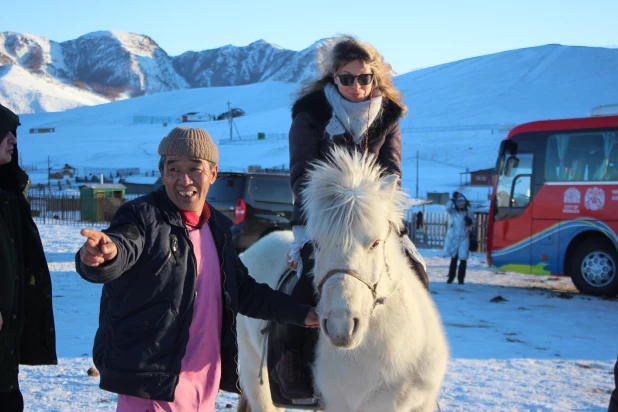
(97,249)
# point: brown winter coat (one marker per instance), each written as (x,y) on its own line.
(309,142)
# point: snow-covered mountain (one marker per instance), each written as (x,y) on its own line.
(105,66)
(258,62)
(39,75)
(129,63)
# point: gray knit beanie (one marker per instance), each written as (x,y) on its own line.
(185,141)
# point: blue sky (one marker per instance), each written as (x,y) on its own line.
(409,33)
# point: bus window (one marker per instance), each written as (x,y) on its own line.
(581,157)
(513,187)
(607,170)
(611,172)
(520,196)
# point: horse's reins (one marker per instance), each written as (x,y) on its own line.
(349,272)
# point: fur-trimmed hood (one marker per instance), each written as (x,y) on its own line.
(320,110)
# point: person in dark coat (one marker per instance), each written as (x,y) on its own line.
(419,220)
(613,401)
(354,104)
(173,285)
(27,332)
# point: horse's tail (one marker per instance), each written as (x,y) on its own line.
(243,405)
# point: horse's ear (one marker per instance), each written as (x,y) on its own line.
(389,185)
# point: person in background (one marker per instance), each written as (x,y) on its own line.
(613,401)
(457,242)
(173,285)
(419,220)
(27,333)
(354,104)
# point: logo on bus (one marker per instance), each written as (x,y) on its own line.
(572,197)
(595,199)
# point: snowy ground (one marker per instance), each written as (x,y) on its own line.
(545,348)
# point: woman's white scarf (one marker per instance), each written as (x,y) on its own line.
(355,118)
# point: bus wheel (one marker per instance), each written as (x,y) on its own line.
(593,268)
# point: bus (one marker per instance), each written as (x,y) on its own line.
(554,207)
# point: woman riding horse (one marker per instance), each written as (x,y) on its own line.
(354,104)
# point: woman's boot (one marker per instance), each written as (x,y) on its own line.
(290,370)
(461,275)
(451,270)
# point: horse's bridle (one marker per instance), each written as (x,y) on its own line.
(349,272)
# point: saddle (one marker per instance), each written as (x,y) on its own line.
(274,338)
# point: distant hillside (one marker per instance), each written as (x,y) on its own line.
(544,82)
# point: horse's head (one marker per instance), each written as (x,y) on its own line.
(354,214)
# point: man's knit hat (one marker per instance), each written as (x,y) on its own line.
(8,122)
(185,141)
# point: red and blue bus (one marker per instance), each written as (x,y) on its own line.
(554,208)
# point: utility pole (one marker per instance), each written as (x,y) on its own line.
(48,172)
(229,113)
(417,174)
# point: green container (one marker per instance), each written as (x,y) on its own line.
(261,136)
(92,200)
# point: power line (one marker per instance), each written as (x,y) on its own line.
(436,161)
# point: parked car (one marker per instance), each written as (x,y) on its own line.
(197,117)
(236,112)
(257,203)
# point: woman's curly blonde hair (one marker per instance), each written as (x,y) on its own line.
(347,49)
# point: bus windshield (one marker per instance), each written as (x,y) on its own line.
(514,180)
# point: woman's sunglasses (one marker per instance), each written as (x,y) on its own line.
(348,79)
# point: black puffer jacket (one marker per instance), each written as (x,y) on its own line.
(147,300)
(613,401)
(309,142)
(28,335)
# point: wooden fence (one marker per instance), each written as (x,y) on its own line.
(70,209)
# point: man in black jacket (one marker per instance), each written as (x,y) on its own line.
(613,400)
(153,260)
(27,334)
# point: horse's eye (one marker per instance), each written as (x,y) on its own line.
(374,245)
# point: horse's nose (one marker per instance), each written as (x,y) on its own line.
(341,333)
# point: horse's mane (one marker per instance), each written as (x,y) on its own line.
(346,193)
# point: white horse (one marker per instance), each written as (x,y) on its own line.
(382,345)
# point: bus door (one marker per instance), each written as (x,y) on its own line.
(512,227)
